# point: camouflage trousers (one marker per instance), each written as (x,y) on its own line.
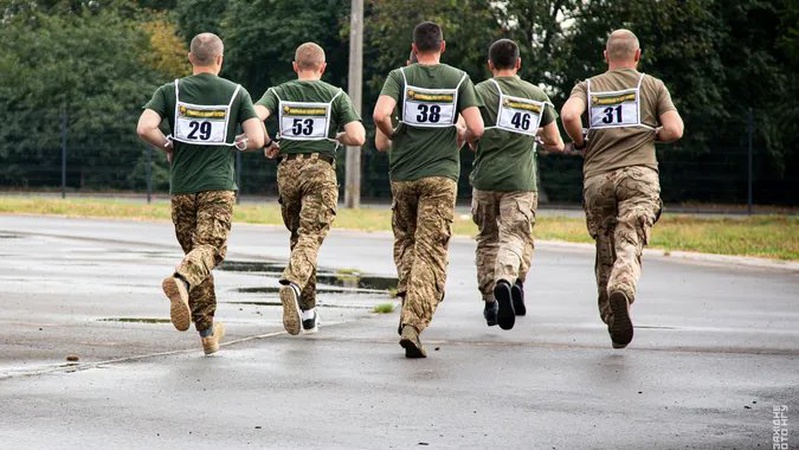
(422,215)
(202,226)
(621,207)
(505,244)
(308,200)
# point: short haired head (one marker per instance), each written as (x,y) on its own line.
(309,56)
(205,48)
(622,46)
(503,54)
(427,37)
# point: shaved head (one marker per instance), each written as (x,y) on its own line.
(309,56)
(205,48)
(622,46)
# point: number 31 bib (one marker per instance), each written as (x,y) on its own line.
(614,109)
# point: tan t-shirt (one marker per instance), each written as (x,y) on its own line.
(624,144)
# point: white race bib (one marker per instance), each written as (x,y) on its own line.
(615,109)
(431,108)
(201,124)
(305,121)
(518,114)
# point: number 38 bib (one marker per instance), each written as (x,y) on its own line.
(202,124)
(432,108)
(614,109)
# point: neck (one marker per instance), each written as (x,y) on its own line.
(428,59)
(196,70)
(617,65)
(504,72)
(309,75)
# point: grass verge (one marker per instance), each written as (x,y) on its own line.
(770,236)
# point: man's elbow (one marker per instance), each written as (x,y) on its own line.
(476,129)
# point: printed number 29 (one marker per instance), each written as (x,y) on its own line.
(428,114)
(300,126)
(609,114)
(203,127)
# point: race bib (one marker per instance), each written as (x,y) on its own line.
(615,109)
(304,121)
(429,107)
(201,124)
(519,115)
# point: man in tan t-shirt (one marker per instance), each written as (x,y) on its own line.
(627,113)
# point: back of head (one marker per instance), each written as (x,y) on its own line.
(205,48)
(503,54)
(309,56)
(428,37)
(622,46)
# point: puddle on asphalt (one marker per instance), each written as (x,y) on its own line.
(318,304)
(8,236)
(134,320)
(351,280)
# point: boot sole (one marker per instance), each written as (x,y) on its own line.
(506,317)
(292,321)
(621,330)
(412,350)
(179,312)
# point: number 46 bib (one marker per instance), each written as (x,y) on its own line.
(517,114)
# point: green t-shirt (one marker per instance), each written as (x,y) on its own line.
(304,109)
(417,151)
(197,168)
(505,160)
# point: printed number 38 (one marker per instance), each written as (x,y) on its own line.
(430,113)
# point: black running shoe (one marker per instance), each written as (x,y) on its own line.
(506,316)
(517,293)
(490,313)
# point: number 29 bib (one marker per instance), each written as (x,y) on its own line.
(202,124)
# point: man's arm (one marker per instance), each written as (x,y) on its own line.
(354,134)
(571,115)
(148,131)
(550,137)
(253,133)
(671,128)
(262,111)
(474,124)
(382,114)
(382,142)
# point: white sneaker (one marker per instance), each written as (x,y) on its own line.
(310,321)
(289,297)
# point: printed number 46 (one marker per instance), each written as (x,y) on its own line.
(302,126)
(203,127)
(520,120)
(609,114)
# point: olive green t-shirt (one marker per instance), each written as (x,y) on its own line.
(308,121)
(613,148)
(418,152)
(197,168)
(505,160)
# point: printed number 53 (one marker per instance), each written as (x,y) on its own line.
(302,126)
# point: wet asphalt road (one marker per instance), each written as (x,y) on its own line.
(716,350)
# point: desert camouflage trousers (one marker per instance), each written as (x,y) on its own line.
(308,200)
(202,226)
(422,215)
(621,207)
(505,244)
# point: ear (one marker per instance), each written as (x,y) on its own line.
(295,67)
(443,46)
(414,49)
(219,60)
(518,63)
(490,65)
(191,58)
(605,55)
(322,68)
(638,55)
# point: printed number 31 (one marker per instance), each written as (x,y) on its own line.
(609,114)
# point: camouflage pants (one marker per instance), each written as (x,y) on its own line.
(621,207)
(308,201)
(202,226)
(505,244)
(422,215)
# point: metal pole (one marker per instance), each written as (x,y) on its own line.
(352,190)
(64,153)
(751,128)
(149,173)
